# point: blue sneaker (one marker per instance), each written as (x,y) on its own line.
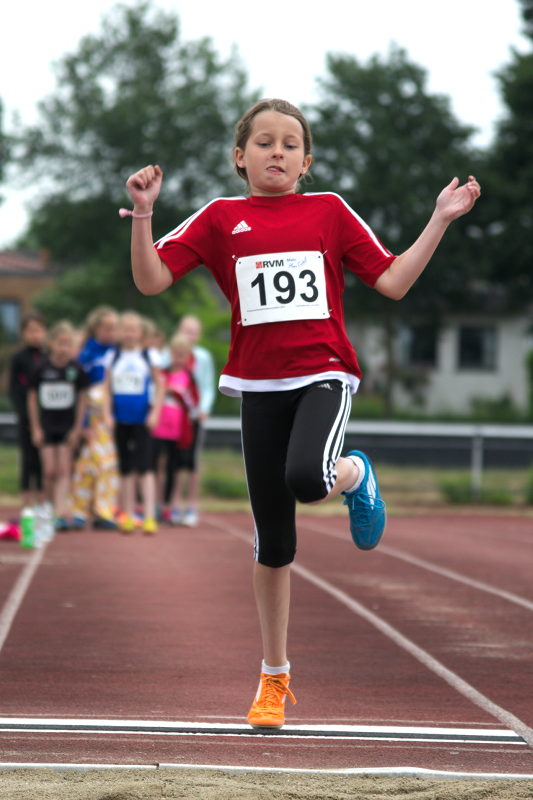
(366,508)
(105,523)
(61,525)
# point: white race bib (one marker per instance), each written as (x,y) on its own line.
(56,396)
(278,287)
(128,383)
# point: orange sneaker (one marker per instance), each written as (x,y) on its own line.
(268,708)
(126,524)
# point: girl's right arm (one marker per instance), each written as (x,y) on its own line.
(150,274)
(33,415)
(107,405)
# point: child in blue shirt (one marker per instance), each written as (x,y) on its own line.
(129,380)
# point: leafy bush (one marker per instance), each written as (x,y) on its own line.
(529,488)
(501,409)
(459,492)
(227,486)
(368,406)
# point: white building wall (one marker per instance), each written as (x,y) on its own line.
(450,388)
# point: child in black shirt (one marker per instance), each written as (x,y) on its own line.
(23,364)
(57,404)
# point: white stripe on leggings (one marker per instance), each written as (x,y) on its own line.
(335,439)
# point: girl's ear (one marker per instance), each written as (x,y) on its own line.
(238,154)
(307,163)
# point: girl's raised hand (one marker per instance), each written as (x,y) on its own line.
(455,200)
(144,187)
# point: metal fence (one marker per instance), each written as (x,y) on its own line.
(403,443)
(419,443)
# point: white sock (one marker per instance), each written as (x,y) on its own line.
(275,670)
(360,464)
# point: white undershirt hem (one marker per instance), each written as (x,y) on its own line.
(234,387)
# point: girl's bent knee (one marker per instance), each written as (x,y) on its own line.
(306,484)
(276,554)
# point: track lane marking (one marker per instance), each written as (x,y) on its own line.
(18,593)
(390,733)
(423,656)
(431,567)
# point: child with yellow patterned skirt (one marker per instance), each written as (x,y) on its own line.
(94,489)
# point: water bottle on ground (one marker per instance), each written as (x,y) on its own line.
(48,522)
(38,528)
(27,528)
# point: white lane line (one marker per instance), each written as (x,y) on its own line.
(384,772)
(389,733)
(451,678)
(431,567)
(18,592)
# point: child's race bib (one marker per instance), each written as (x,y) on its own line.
(278,287)
(56,396)
(128,383)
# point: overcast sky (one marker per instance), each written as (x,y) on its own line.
(283,46)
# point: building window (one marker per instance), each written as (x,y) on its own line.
(419,345)
(477,347)
(9,321)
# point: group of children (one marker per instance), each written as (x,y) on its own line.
(111,417)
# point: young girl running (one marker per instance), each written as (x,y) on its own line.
(57,403)
(279,257)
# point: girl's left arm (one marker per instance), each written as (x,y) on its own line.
(159,396)
(452,202)
(81,411)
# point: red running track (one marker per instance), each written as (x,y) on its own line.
(432,630)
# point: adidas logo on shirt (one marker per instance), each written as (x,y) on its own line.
(242,227)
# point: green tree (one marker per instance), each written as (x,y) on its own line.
(507,214)
(131,95)
(388,147)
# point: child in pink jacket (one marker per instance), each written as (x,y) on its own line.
(174,428)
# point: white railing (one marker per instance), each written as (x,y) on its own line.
(477,433)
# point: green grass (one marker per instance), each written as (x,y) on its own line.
(9,470)
(403,487)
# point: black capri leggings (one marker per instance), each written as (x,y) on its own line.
(134,448)
(291,442)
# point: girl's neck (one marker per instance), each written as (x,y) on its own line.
(58,361)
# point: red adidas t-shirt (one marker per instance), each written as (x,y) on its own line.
(280,261)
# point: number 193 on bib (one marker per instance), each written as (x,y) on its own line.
(279,287)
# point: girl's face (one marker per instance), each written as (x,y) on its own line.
(180,356)
(131,333)
(62,348)
(34,334)
(191,329)
(274,155)
(107,330)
